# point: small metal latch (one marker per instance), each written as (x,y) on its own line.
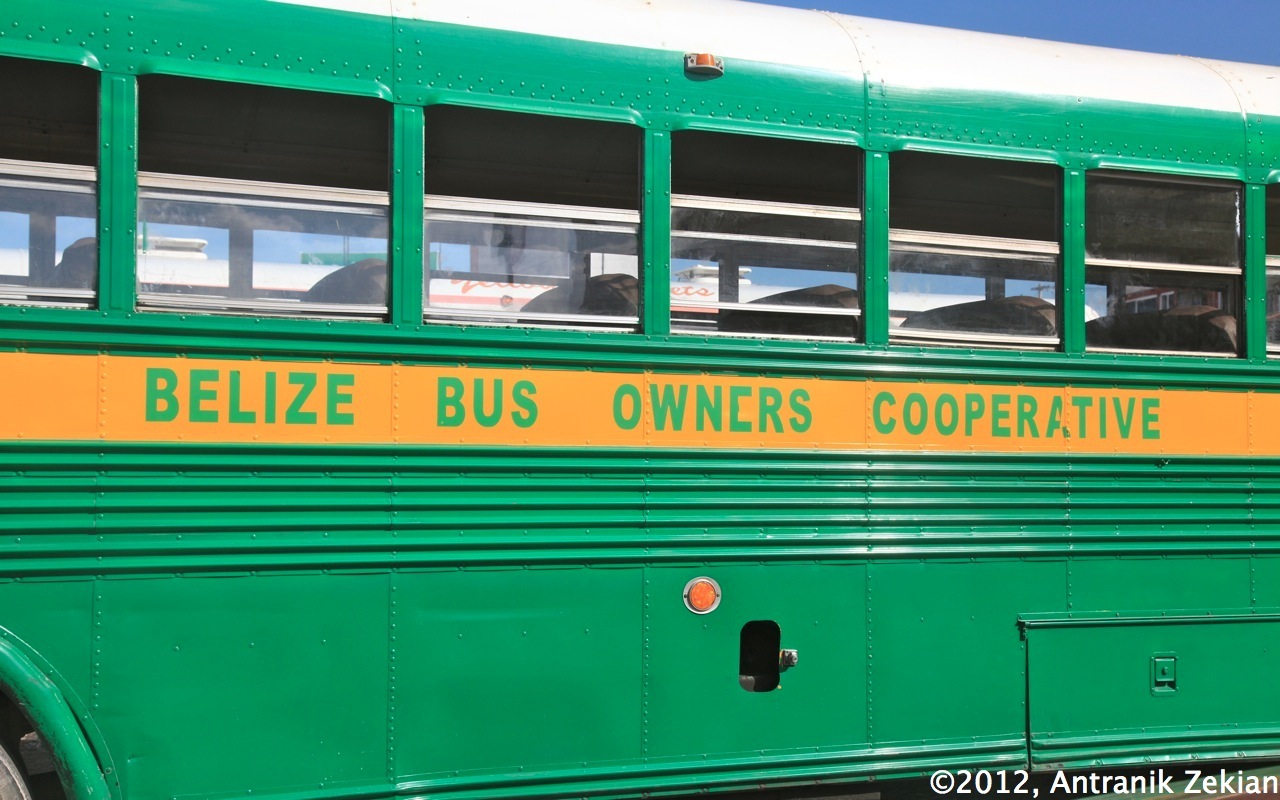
(1164,673)
(787,659)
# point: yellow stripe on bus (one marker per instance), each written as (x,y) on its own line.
(139,399)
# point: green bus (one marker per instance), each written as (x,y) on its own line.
(482,399)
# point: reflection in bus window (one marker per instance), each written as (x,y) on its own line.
(531,219)
(504,261)
(48,184)
(1158,310)
(973,250)
(1273,267)
(1163,263)
(277,206)
(765,236)
(48,252)
(263,248)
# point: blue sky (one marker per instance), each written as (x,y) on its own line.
(1234,30)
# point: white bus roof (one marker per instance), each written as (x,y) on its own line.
(897,54)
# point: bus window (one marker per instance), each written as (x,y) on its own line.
(531,219)
(1273,268)
(260,200)
(48,184)
(1163,263)
(765,236)
(973,251)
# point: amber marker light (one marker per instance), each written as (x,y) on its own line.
(701,595)
(706,64)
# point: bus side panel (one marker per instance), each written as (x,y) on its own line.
(52,617)
(1167,657)
(1167,583)
(507,669)
(1129,690)
(695,701)
(220,684)
(1266,581)
(949,662)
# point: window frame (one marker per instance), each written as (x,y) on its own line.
(56,177)
(259,194)
(996,247)
(980,245)
(1272,271)
(598,218)
(777,208)
(1239,272)
(453,207)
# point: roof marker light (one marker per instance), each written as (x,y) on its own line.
(701,595)
(703,64)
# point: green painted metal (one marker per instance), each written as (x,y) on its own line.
(1083,671)
(407,229)
(655,300)
(1073,254)
(1255,273)
(205,661)
(28,680)
(118,194)
(379,621)
(875,237)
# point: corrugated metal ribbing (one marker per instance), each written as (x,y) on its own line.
(214,508)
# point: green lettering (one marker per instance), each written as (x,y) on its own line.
(333,415)
(199,395)
(803,417)
(736,395)
(1000,415)
(975,407)
(487,418)
(528,413)
(1124,416)
(236,414)
(1082,405)
(1027,416)
(627,421)
(883,425)
(162,400)
(269,403)
(1150,417)
(1102,417)
(1055,418)
(668,405)
(306,383)
(915,401)
(709,407)
(946,426)
(450,413)
(770,406)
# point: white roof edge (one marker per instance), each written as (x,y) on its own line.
(898,54)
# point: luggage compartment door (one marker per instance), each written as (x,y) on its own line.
(1112,688)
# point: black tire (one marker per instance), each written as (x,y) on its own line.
(12,786)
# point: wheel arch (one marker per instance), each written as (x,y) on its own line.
(46,706)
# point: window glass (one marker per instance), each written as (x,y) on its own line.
(1131,217)
(48,183)
(1273,266)
(531,219)
(766,236)
(261,200)
(1161,310)
(276,251)
(973,250)
(1163,263)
